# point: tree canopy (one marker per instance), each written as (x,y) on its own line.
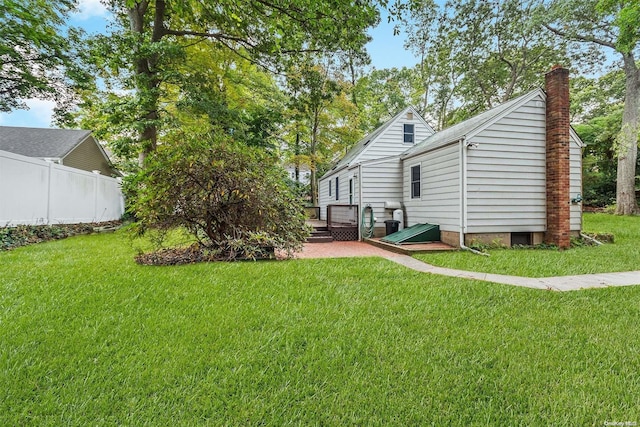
(609,24)
(150,43)
(38,58)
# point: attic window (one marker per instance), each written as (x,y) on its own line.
(408,134)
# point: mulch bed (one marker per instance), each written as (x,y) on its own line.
(189,255)
(23,235)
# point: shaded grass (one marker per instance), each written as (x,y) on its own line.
(90,338)
(623,255)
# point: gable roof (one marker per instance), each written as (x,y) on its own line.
(354,153)
(41,142)
(471,126)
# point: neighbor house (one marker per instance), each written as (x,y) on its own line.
(73,148)
(304,173)
(512,174)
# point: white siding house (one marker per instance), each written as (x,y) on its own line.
(502,175)
(304,173)
(486,177)
(439,199)
(373,164)
(576,181)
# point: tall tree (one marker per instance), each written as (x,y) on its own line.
(609,24)
(154,33)
(475,54)
(383,93)
(37,58)
(313,89)
(596,108)
(209,89)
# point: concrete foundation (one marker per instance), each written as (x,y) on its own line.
(451,238)
(488,239)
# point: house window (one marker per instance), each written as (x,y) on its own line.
(415,182)
(351,191)
(408,134)
(337,190)
(329,187)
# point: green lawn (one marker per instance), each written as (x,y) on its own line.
(87,337)
(623,255)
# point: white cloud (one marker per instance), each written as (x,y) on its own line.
(90,8)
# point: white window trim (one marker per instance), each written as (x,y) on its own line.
(405,133)
(419,166)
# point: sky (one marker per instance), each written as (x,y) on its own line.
(385,50)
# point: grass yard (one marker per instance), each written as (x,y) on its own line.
(623,255)
(87,337)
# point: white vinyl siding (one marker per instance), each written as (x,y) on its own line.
(506,174)
(440,189)
(391,141)
(382,182)
(575,184)
(339,196)
(323,196)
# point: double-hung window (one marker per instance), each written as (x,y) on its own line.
(409,135)
(415,182)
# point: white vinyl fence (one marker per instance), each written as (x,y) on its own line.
(34,191)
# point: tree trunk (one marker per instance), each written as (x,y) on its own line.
(626,203)
(297,157)
(147,81)
(313,148)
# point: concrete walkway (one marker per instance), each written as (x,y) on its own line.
(560,283)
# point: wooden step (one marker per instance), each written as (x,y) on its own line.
(320,239)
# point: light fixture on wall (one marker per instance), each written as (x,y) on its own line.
(576,199)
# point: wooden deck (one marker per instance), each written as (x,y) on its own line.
(411,248)
(405,249)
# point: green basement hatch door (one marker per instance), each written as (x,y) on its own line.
(418,233)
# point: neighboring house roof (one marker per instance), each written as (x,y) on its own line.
(40,142)
(472,126)
(47,143)
(355,151)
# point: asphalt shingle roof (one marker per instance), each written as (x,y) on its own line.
(40,142)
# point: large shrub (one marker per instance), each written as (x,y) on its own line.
(233,198)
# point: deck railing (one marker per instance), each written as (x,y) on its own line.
(342,221)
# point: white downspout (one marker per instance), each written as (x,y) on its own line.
(360,207)
(463,196)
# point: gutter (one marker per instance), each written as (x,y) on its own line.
(427,150)
(463,196)
(332,172)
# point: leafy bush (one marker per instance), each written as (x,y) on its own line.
(231,197)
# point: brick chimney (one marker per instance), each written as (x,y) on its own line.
(558,197)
